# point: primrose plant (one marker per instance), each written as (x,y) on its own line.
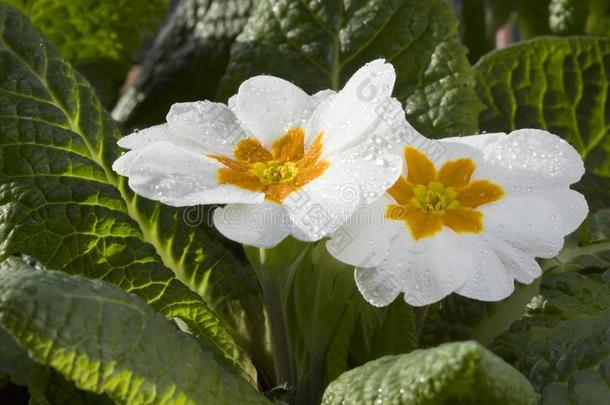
(300,217)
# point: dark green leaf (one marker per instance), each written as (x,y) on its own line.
(558,84)
(187,60)
(110,342)
(462,318)
(62,204)
(320,44)
(98,37)
(562,346)
(452,373)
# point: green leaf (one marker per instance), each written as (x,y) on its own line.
(187,60)
(320,44)
(45,385)
(100,36)
(562,346)
(462,318)
(463,372)
(62,204)
(110,342)
(558,84)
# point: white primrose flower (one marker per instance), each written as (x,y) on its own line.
(284,162)
(469,220)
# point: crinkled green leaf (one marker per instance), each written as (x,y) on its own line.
(320,44)
(98,36)
(110,342)
(187,60)
(452,373)
(45,385)
(475,33)
(562,346)
(62,204)
(558,84)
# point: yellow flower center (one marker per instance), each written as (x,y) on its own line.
(434,197)
(277,173)
(427,199)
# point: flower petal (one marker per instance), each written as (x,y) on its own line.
(426,271)
(456,173)
(490,280)
(269,106)
(260,225)
(524,267)
(528,158)
(145,137)
(420,169)
(356,110)
(212,127)
(364,240)
(321,206)
(529,223)
(178,177)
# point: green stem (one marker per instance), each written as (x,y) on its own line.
(420,320)
(282,359)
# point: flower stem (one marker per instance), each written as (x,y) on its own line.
(282,359)
(420,320)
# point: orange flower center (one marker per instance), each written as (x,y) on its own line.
(427,200)
(277,173)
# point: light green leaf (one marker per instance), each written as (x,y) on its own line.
(45,385)
(558,84)
(562,346)
(110,342)
(98,37)
(62,204)
(187,60)
(320,44)
(464,373)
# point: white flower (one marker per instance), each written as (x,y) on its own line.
(471,222)
(284,162)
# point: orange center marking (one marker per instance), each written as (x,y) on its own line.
(427,199)
(277,173)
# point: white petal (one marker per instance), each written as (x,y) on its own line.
(178,177)
(145,137)
(490,280)
(372,172)
(531,224)
(376,286)
(531,158)
(356,110)
(212,127)
(426,270)
(260,225)
(572,206)
(364,240)
(524,267)
(268,106)
(320,207)
(480,142)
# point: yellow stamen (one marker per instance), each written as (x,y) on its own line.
(427,200)
(277,173)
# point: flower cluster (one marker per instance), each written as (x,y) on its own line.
(416,216)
